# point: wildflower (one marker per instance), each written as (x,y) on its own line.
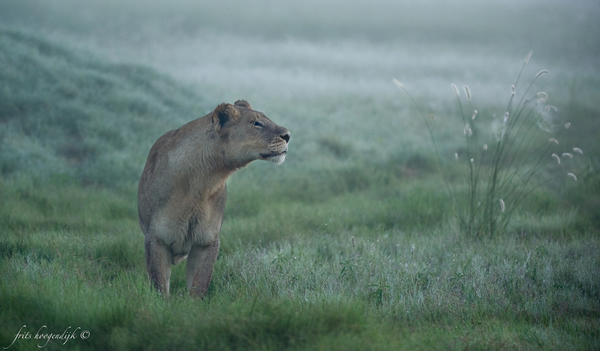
(578,150)
(555,156)
(502,205)
(572,176)
(552,140)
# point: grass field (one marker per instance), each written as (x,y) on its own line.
(354,242)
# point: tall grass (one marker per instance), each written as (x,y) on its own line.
(501,173)
(329,285)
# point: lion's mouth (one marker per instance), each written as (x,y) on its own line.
(273,154)
(277,157)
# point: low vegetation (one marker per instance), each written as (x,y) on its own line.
(343,251)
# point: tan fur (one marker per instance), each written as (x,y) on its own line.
(182,190)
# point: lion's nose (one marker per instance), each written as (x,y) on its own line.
(285,137)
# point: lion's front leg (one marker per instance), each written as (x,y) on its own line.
(199,268)
(158,263)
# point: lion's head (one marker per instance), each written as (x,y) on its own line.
(247,135)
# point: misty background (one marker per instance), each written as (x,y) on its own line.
(324,69)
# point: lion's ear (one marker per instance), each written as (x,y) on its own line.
(243,103)
(223,114)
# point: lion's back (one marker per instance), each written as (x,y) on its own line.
(153,188)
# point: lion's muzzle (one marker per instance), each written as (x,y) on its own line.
(277,149)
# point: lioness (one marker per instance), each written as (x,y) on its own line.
(182,190)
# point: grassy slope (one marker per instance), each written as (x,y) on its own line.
(68,113)
(335,258)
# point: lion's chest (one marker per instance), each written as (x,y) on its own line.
(189,221)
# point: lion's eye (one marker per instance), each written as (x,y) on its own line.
(258,124)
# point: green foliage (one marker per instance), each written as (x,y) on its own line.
(378,292)
(317,288)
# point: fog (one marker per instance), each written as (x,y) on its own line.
(326,67)
(400,35)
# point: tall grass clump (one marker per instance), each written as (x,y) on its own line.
(502,168)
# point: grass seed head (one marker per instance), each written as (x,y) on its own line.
(455,89)
(398,84)
(468,92)
(502,206)
(556,157)
(552,140)
(578,150)
(543,96)
(567,154)
(567,125)
(474,114)
(484,147)
(528,56)
(572,176)
(541,73)
(468,131)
